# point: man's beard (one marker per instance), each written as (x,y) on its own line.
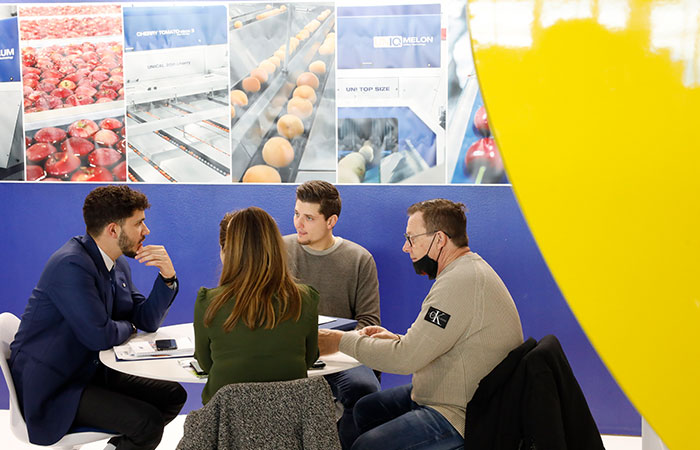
(126,245)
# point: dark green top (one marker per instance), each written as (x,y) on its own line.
(244,355)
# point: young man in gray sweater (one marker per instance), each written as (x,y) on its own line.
(467,324)
(346,276)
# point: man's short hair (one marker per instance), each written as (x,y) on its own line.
(440,214)
(107,204)
(323,193)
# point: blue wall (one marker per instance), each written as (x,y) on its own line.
(37,218)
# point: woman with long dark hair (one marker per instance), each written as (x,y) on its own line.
(258,324)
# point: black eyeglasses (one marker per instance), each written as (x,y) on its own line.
(409,237)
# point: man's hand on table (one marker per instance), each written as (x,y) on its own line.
(378,332)
(328,341)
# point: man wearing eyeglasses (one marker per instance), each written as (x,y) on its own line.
(467,324)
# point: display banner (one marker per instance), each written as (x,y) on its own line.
(385,37)
(9,50)
(156,28)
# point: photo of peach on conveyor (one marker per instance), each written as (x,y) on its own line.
(282,92)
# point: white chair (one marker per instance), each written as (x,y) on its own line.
(9,323)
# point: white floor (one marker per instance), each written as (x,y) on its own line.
(173,433)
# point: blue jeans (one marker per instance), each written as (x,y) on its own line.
(390,420)
(348,387)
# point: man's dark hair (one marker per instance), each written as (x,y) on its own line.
(444,215)
(107,204)
(323,193)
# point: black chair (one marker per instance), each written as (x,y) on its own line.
(530,401)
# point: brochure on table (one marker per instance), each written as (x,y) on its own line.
(140,350)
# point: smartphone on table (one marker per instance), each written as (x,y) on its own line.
(166,344)
(196,367)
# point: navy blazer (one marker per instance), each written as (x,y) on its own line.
(71,316)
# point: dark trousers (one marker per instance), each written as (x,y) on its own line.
(348,387)
(390,420)
(136,408)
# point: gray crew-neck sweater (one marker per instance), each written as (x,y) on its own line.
(345,275)
(448,363)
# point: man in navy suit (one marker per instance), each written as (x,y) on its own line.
(85,302)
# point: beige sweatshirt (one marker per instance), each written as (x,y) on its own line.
(467,324)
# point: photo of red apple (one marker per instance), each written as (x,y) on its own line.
(83,128)
(35,173)
(61,158)
(34,96)
(67,83)
(42,103)
(30,82)
(85,91)
(104,157)
(98,75)
(61,164)
(50,135)
(77,146)
(106,93)
(39,152)
(68,10)
(79,67)
(106,138)
(46,87)
(28,57)
(51,73)
(77,100)
(91,174)
(119,171)
(110,124)
(111,84)
(89,82)
(54,102)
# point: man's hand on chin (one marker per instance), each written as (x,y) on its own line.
(156,255)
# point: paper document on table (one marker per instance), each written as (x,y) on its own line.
(325,319)
(136,350)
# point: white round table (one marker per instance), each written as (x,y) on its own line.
(177,369)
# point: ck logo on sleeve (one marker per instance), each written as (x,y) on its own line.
(437,317)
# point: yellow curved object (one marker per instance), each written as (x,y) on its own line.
(596,107)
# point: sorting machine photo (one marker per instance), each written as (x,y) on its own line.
(282,92)
(177,98)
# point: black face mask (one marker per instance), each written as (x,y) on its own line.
(427,265)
